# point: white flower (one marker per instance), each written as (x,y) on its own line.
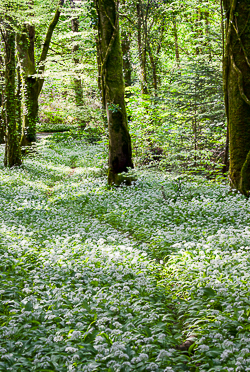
(204,347)
(75,335)
(7,356)
(70,349)
(143,357)
(58,338)
(163,354)
(152,367)
(18,344)
(219,336)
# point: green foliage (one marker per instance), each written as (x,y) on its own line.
(97,277)
(66,310)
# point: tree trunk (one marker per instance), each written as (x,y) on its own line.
(19,101)
(2,119)
(226,155)
(77,83)
(12,148)
(26,56)
(99,64)
(120,154)
(236,68)
(141,49)
(154,70)
(225,168)
(127,68)
(176,43)
(31,96)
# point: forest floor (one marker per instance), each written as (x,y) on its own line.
(94,278)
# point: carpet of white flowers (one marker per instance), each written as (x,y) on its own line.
(100,279)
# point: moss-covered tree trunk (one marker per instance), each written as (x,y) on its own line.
(19,102)
(32,74)
(120,154)
(12,148)
(2,119)
(77,83)
(26,55)
(237,91)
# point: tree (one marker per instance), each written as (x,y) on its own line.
(142,40)
(237,91)
(2,121)
(12,148)
(32,73)
(127,68)
(77,83)
(112,85)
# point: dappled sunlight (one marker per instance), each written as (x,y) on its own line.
(78,254)
(76,281)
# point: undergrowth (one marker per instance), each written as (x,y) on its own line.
(100,279)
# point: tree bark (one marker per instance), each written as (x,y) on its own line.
(127,68)
(77,83)
(225,168)
(236,68)
(26,56)
(141,48)
(2,119)
(99,64)
(12,148)
(154,70)
(19,102)
(120,154)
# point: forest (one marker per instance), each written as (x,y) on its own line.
(124,185)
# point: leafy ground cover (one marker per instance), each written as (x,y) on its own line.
(99,279)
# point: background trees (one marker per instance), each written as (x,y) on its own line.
(32,71)
(172,70)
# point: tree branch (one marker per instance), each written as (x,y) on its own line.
(48,37)
(127,17)
(242,46)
